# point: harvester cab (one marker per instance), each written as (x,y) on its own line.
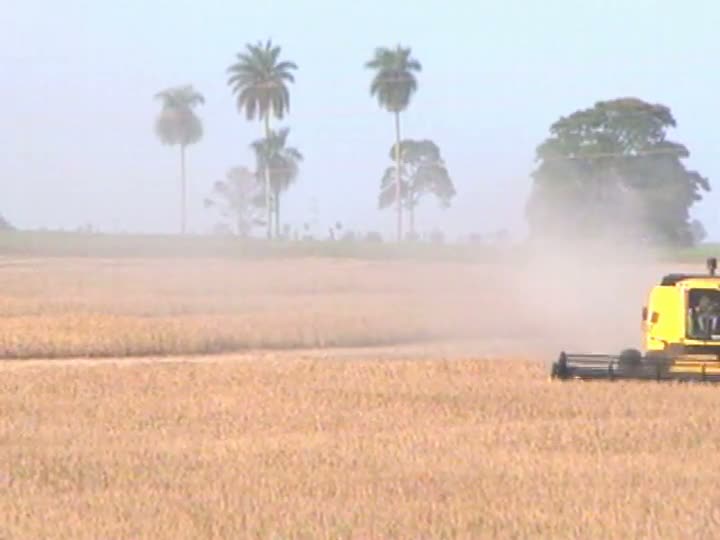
(681,336)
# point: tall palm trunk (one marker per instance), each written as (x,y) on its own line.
(277,213)
(398,191)
(183,189)
(411,212)
(267,179)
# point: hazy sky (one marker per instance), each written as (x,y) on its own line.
(78,79)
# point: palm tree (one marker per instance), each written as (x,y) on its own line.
(177,124)
(260,80)
(394,84)
(277,161)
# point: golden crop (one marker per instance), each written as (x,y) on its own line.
(61,308)
(435,440)
(351,447)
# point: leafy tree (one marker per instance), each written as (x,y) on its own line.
(239,199)
(278,162)
(259,80)
(422,172)
(177,124)
(394,84)
(610,169)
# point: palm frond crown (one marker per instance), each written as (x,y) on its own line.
(394,82)
(177,122)
(282,161)
(260,81)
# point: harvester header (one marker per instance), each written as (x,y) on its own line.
(681,336)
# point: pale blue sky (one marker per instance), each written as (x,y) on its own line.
(78,78)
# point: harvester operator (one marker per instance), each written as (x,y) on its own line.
(708,316)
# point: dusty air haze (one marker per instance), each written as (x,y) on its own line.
(78,146)
(156,396)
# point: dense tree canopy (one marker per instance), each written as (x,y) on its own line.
(610,170)
(422,172)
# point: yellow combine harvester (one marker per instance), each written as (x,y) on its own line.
(681,331)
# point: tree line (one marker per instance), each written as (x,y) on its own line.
(260,81)
(606,169)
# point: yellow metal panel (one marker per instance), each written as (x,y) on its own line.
(665,323)
(695,368)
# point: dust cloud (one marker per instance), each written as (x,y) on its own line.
(547,296)
(578,282)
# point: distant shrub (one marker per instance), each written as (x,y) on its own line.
(476,238)
(5,225)
(412,237)
(374,237)
(437,237)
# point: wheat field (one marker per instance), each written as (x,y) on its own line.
(343,399)
(65,307)
(354,446)
(101,308)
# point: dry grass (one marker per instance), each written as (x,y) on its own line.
(64,308)
(319,445)
(351,448)
(113,308)
(94,307)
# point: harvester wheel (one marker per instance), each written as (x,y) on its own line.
(630,357)
(558,369)
(554,371)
